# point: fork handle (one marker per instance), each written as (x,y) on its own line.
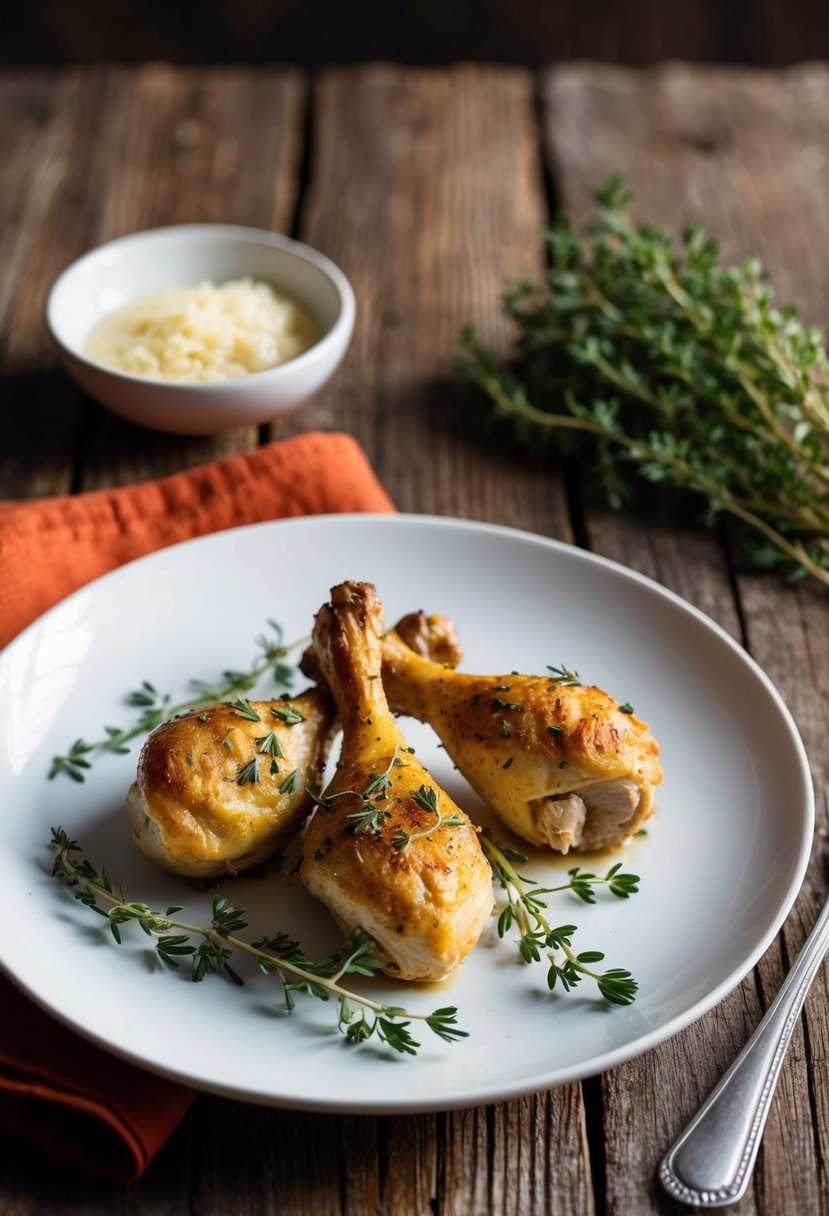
(710,1164)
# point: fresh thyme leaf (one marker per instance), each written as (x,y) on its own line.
(287,714)
(370,819)
(426,798)
(74,762)
(157,708)
(289,784)
(380,783)
(498,704)
(618,986)
(582,883)
(396,1034)
(627,708)
(655,363)
(269,745)
(246,710)
(147,694)
(565,677)
(444,1023)
(359,1018)
(362,958)
(249,774)
(556,730)
(114,742)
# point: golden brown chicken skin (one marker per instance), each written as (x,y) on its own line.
(218,792)
(559,762)
(387,850)
(432,637)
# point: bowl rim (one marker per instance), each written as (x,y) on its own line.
(240,233)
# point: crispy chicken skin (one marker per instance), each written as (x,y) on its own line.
(189,811)
(433,637)
(424,904)
(561,764)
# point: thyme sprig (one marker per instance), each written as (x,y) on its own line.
(564,677)
(371,817)
(525,909)
(156,707)
(427,799)
(652,360)
(359,1017)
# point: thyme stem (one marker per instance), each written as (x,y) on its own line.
(276,954)
(157,708)
(525,907)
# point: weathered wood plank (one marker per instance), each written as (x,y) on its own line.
(743,151)
(425,188)
(268,1161)
(531,1174)
(45,202)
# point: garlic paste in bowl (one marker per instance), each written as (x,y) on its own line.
(203,334)
(200,328)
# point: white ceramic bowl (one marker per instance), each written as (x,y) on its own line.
(181,256)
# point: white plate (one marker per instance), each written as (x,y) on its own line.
(720,867)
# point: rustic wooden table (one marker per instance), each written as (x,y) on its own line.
(430,188)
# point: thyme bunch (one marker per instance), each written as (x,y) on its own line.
(156,708)
(524,910)
(650,359)
(359,1018)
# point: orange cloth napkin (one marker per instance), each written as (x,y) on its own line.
(51,547)
(57,1090)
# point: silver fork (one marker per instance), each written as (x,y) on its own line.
(710,1164)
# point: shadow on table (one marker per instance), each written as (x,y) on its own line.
(56,440)
(43,420)
(465,413)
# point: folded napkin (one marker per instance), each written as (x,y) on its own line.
(50,547)
(57,1090)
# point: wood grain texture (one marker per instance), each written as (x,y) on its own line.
(425,187)
(45,204)
(523,1144)
(745,152)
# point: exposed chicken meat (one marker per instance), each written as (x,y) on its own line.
(592,817)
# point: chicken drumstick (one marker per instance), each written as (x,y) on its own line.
(560,762)
(387,850)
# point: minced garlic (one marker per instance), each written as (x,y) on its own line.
(202,334)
